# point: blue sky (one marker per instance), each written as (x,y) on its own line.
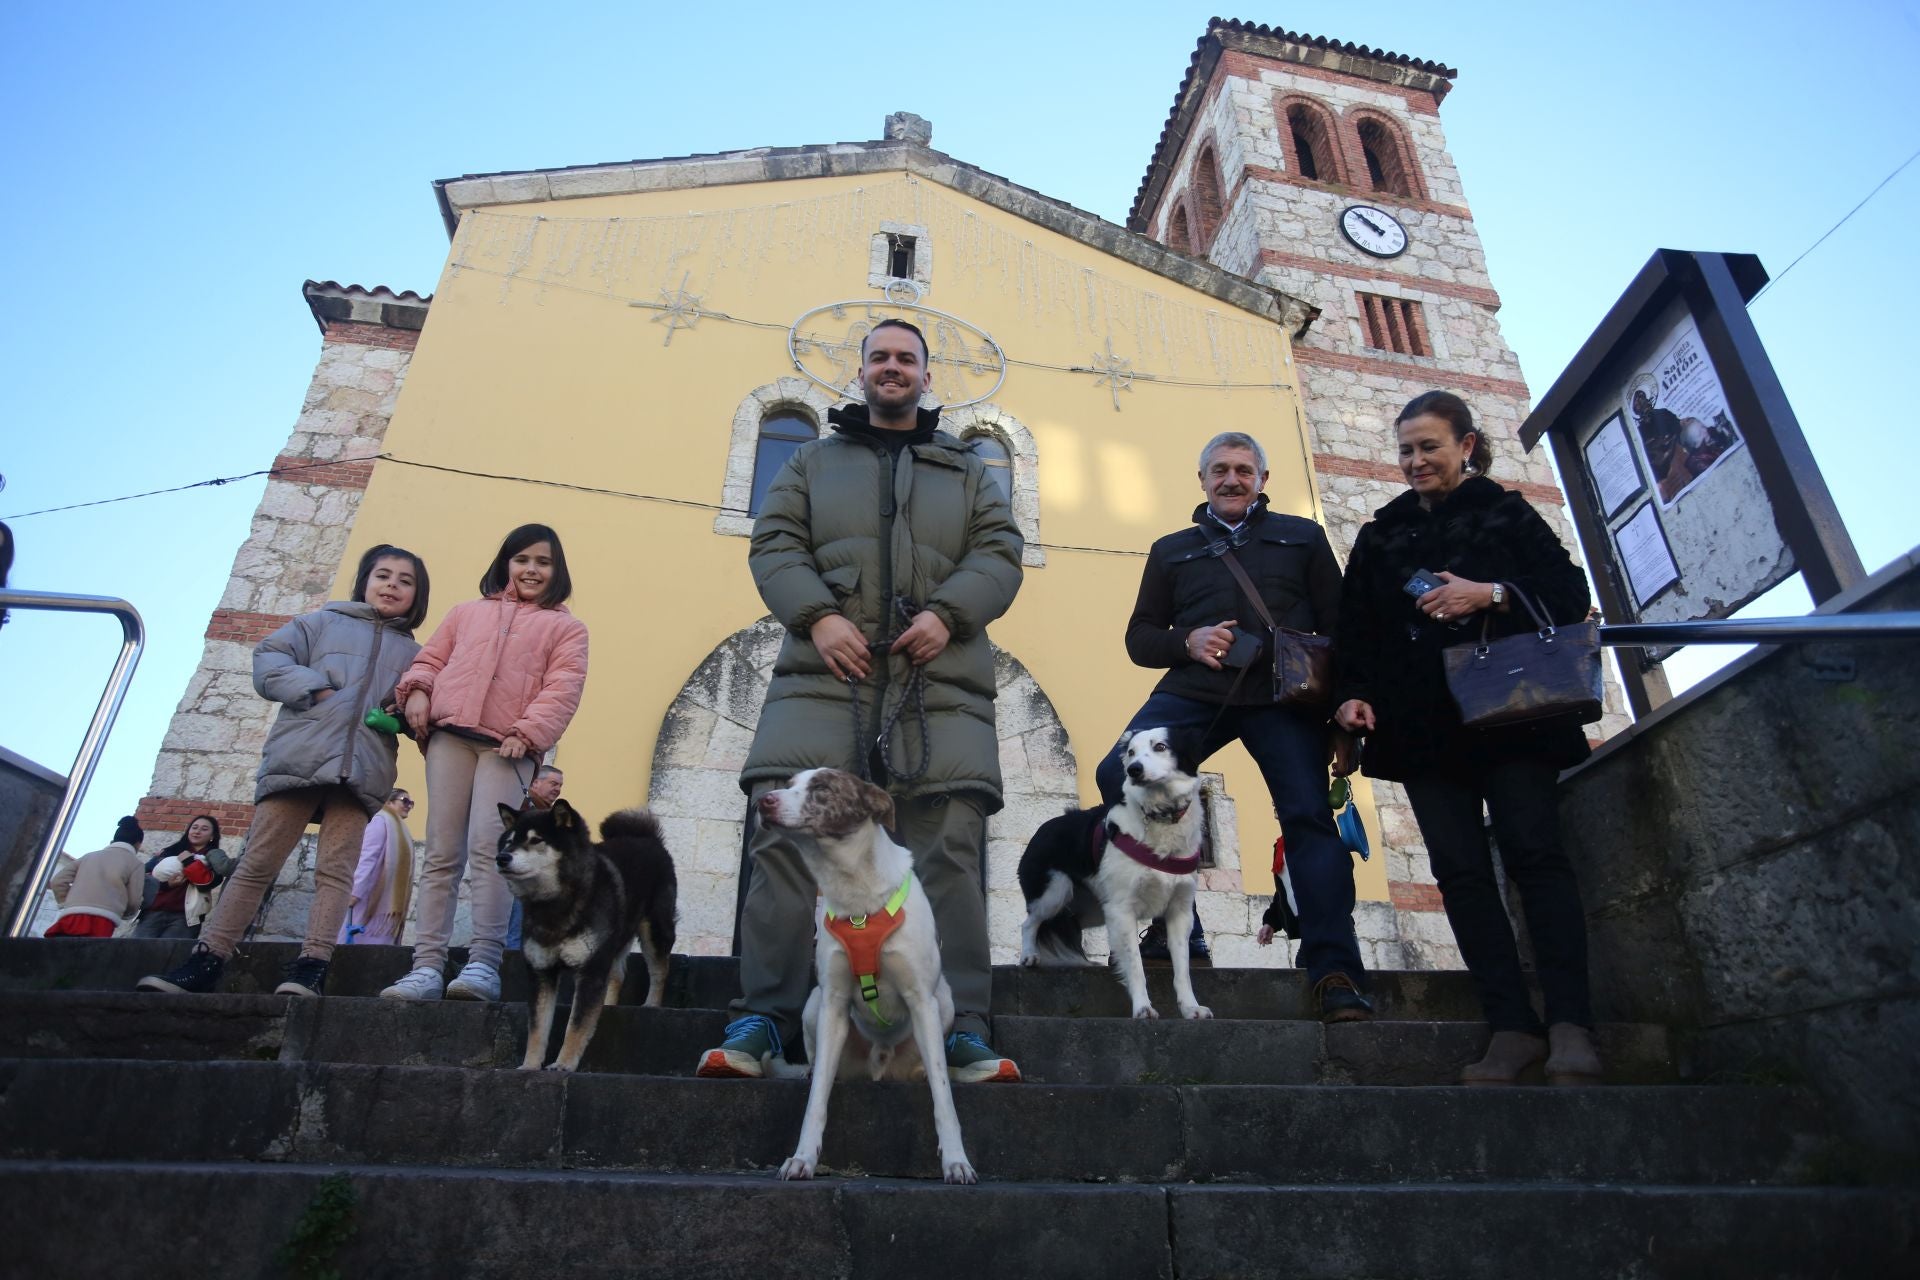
(179,170)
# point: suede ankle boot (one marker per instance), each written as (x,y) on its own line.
(1573,1059)
(1508,1054)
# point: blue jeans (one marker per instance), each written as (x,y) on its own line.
(1291,750)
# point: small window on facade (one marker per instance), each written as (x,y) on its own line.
(1394,324)
(993,452)
(781,433)
(900,256)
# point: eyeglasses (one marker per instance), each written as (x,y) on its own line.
(407,801)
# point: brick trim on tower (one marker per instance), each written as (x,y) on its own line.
(1408,895)
(1248,66)
(1412,284)
(1320,357)
(344,473)
(242,627)
(371,335)
(1332,464)
(173,813)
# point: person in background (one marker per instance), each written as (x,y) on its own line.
(323,762)
(541,793)
(99,893)
(497,684)
(1480,542)
(180,881)
(383,882)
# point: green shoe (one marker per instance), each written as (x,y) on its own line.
(970,1061)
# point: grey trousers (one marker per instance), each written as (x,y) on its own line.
(946,835)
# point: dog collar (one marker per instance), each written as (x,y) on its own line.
(861,936)
(1146,857)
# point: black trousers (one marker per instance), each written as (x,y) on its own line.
(1521,795)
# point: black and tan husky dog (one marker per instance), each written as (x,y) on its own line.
(585,904)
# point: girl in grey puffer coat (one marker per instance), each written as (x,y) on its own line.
(323,763)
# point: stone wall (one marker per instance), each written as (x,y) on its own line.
(211,752)
(1750,859)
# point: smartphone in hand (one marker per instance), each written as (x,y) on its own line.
(1421,582)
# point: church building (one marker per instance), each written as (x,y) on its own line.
(629,351)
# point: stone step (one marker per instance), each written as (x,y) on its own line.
(356,1114)
(709,982)
(86,1024)
(509,1225)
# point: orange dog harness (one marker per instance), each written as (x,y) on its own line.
(861,937)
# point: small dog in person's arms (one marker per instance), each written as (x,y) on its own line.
(1138,857)
(877,955)
(585,904)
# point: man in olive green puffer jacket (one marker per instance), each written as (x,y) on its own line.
(885,549)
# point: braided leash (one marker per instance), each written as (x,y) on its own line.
(916,689)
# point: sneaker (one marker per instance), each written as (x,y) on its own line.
(476,981)
(306,976)
(749,1044)
(421,984)
(970,1061)
(1338,1000)
(198,975)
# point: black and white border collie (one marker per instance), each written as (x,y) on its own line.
(1138,857)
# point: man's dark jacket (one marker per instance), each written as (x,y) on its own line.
(1186,585)
(1388,654)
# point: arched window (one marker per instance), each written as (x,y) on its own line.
(1312,137)
(770,422)
(992,450)
(1003,442)
(1208,208)
(1387,166)
(1179,233)
(781,432)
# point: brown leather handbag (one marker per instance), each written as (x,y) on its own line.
(1552,671)
(1302,661)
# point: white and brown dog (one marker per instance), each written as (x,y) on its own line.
(877,957)
(1138,857)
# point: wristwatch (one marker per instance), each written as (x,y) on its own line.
(1499,594)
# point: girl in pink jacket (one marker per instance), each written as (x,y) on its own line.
(489,696)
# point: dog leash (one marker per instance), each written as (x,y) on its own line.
(916,689)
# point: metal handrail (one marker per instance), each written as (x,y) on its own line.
(1812,629)
(133,638)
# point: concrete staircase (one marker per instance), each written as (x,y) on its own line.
(144,1136)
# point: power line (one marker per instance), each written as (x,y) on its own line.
(214,483)
(1836,226)
(275,472)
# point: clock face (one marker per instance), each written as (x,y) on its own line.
(1374,231)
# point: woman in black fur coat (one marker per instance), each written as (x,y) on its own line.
(1479,541)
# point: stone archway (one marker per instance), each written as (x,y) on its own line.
(702,745)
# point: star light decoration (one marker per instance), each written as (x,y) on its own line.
(678,309)
(1114,373)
